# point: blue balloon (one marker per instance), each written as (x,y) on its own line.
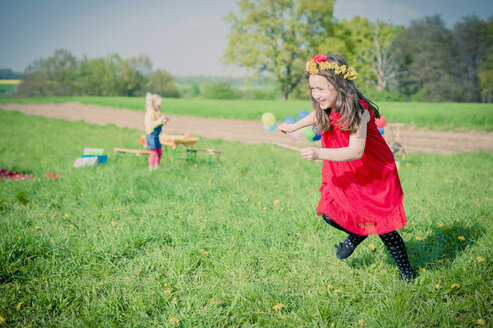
(302,114)
(271,127)
(289,120)
(317,137)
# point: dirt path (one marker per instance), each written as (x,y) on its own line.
(414,140)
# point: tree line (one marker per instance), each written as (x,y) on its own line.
(425,61)
(64,75)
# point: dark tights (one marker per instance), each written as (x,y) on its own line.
(392,241)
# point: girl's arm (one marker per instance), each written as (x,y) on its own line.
(354,150)
(151,122)
(305,121)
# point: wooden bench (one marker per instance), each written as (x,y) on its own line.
(132,151)
(212,153)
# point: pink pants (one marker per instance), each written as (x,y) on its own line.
(155,156)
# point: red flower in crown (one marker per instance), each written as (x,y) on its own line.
(319,58)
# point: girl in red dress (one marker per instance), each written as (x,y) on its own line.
(361,193)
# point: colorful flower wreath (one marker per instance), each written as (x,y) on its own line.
(320,62)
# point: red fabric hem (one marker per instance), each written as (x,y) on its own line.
(369,226)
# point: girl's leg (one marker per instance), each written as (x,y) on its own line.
(347,247)
(397,249)
(153,154)
(159,154)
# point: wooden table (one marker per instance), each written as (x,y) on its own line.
(175,140)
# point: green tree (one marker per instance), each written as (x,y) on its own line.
(98,77)
(374,58)
(486,79)
(133,75)
(162,83)
(53,76)
(277,36)
(426,60)
(472,45)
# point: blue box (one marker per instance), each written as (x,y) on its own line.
(101,158)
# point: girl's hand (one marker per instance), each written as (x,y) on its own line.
(310,153)
(286,128)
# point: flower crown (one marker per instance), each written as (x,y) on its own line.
(321,60)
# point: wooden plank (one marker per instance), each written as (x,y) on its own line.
(132,151)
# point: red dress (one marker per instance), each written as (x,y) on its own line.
(363,196)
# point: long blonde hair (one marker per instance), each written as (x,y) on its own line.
(347,104)
(151,100)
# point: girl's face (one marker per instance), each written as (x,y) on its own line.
(157,107)
(322,91)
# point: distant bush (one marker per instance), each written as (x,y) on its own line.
(220,90)
(379,96)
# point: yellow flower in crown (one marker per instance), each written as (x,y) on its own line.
(311,67)
(320,62)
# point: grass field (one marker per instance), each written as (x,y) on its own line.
(441,116)
(235,244)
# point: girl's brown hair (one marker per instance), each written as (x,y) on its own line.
(347,105)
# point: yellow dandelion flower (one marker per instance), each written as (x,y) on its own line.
(420,238)
(461,238)
(277,201)
(278,307)
(454,285)
(203,252)
(480,322)
(337,291)
(18,306)
(167,292)
(246,199)
(372,247)
(440,225)
(265,208)
(437,286)
(19,237)
(174,299)
(37,227)
(329,287)
(174,320)
(422,270)
(361,322)
(480,259)
(153,292)
(65,216)
(2,321)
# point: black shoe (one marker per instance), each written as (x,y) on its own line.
(345,249)
(407,276)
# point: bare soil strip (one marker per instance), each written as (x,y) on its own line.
(414,140)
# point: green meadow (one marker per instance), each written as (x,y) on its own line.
(232,244)
(437,116)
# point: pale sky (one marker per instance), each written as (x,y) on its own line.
(184,37)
